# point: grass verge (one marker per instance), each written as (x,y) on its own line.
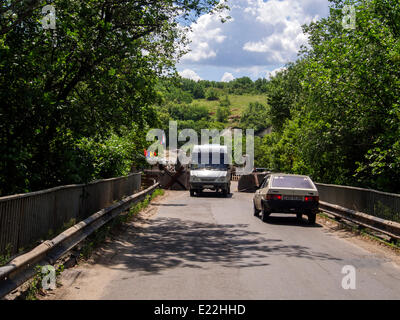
(42,276)
(4,258)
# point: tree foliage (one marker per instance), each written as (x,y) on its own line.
(188,112)
(335,112)
(212,94)
(81,83)
(255,116)
(223,110)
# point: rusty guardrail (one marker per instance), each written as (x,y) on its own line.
(21,268)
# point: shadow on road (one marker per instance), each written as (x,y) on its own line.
(213,194)
(290,220)
(172,242)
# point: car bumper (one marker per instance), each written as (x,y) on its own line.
(290,206)
(207,185)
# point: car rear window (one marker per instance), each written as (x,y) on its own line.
(291,182)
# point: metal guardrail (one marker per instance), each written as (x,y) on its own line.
(27,218)
(21,269)
(372,202)
(387,227)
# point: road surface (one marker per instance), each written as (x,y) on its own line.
(214,248)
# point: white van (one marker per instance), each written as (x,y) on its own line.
(210,169)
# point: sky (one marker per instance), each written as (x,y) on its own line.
(259,39)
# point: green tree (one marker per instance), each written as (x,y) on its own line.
(260,85)
(335,112)
(212,94)
(255,116)
(188,112)
(198,92)
(94,74)
(223,110)
(241,85)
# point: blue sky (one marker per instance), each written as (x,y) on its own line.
(261,38)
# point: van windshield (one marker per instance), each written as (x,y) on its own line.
(216,161)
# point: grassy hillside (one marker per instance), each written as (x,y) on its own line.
(238,104)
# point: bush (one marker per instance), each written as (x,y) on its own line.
(188,112)
(212,94)
(108,157)
(223,110)
(255,116)
(198,92)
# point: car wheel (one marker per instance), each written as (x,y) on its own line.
(191,192)
(312,217)
(255,210)
(265,214)
(225,193)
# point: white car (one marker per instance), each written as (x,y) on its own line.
(287,193)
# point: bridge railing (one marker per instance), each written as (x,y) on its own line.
(27,218)
(376,203)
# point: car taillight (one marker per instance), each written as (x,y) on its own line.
(311,198)
(274,197)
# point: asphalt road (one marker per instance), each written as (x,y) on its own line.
(214,248)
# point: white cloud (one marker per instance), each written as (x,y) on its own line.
(274,72)
(262,35)
(286,17)
(253,71)
(189,74)
(207,30)
(227,77)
